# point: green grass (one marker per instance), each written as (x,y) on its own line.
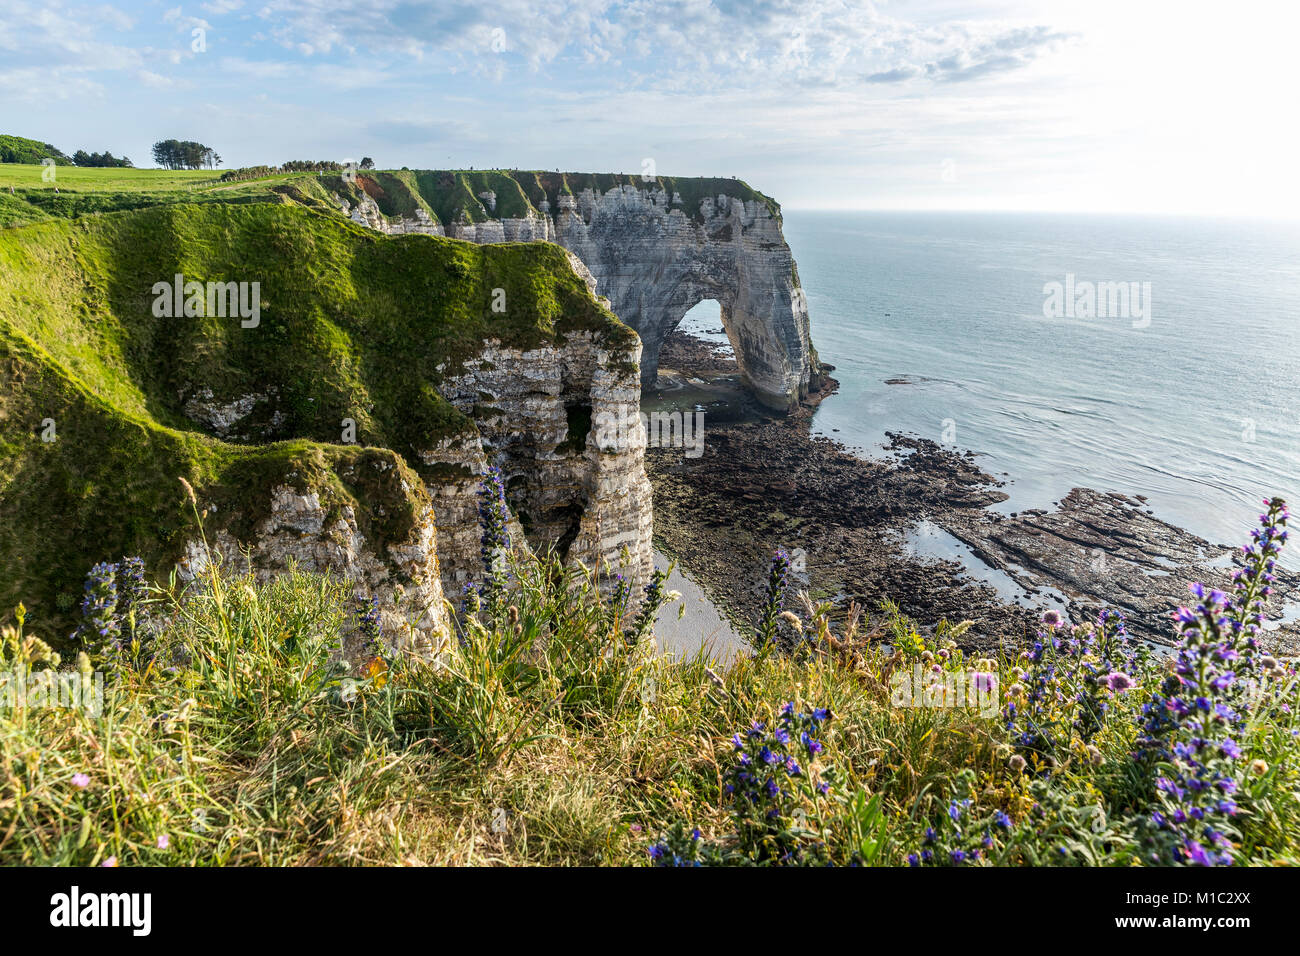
(544,740)
(77,191)
(353,325)
(83,179)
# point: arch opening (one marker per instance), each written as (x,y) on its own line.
(698,343)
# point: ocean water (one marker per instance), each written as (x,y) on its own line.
(1197,406)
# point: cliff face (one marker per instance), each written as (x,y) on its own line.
(655,248)
(345,431)
(304,529)
(533,410)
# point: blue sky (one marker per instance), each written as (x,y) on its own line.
(1106,105)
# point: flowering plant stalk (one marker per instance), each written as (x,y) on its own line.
(1193,724)
(494,517)
(778,577)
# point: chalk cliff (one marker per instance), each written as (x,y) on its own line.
(656,247)
(346,430)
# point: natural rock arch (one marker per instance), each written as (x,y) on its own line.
(654,254)
(655,263)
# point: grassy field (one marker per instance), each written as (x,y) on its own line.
(75,191)
(82,179)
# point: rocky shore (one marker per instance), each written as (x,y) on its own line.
(914,525)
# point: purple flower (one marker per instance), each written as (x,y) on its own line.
(81,780)
(1118,683)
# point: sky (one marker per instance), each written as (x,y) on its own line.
(1106,106)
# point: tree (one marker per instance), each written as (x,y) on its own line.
(367,163)
(104,159)
(17,149)
(175,154)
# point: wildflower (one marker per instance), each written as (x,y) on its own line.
(369,626)
(655,597)
(163,841)
(777,578)
(770,789)
(81,780)
(1052,619)
(494,517)
(1188,722)
(189,492)
(1118,683)
(1258,768)
(1017,763)
(101,630)
(111,861)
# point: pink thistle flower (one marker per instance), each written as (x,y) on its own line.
(1118,683)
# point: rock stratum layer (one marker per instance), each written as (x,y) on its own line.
(343,427)
(656,247)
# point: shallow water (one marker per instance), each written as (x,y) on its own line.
(702,625)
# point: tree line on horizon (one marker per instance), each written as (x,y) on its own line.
(167,153)
(18,149)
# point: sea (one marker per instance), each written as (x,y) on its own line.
(1179,381)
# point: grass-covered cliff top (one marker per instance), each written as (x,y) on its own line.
(444,195)
(25,197)
(353,325)
(457,195)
